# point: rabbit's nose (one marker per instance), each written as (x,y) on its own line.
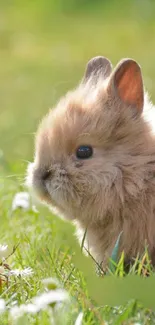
(47,174)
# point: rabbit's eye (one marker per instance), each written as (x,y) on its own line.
(84,152)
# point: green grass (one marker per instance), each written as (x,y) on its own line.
(46,245)
(44,46)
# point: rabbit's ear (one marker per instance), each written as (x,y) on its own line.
(126,82)
(97,67)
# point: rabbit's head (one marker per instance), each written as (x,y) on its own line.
(83,142)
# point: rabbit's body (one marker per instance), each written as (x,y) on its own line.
(112,188)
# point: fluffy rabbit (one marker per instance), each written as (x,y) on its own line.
(95,160)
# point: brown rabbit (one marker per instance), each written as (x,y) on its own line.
(95,160)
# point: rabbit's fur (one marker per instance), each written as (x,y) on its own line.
(114,190)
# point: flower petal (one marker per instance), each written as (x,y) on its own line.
(79,319)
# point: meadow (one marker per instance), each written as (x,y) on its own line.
(44,47)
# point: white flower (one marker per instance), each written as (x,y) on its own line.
(18,311)
(50,297)
(39,303)
(51,283)
(2,305)
(31,308)
(21,200)
(79,319)
(3,251)
(26,272)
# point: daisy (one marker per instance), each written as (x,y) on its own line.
(23,273)
(50,297)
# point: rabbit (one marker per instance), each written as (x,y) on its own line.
(94,160)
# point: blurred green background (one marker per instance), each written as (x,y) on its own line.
(44,46)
